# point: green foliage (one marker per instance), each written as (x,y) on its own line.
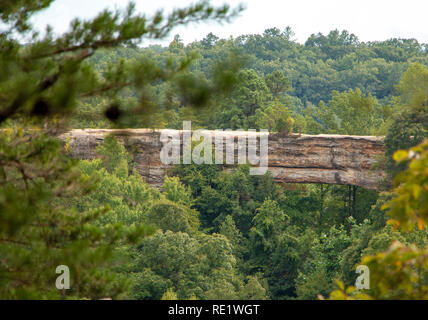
(275,118)
(309,287)
(112,154)
(277,83)
(409,207)
(177,192)
(276,68)
(199,266)
(409,126)
(401,273)
(48,217)
(413,87)
(289,240)
(168,215)
(39,230)
(239,242)
(222,235)
(268,223)
(11,12)
(251,93)
(50,74)
(126,195)
(349,112)
(169,295)
(401,270)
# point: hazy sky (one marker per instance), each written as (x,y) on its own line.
(368,19)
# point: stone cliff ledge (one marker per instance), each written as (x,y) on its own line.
(331,159)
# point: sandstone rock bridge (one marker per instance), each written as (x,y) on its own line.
(330,159)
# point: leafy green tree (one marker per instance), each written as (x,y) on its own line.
(401,272)
(168,215)
(413,87)
(49,74)
(268,223)
(278,241)
(169,295)
(239,242)
(177,192)
(40,231)
(46,79)
(349,112)
(335,44)
(277,83)
(309,287)
(121,190)
(320,257)
(249,94)
(112,154)
(409,206)
(275,118)
(409,126)
(201,267)
(209,41)
(252,92)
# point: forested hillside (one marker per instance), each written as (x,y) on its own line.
(269,241)
(328,74)
(207,233)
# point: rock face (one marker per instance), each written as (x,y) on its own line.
(331,159)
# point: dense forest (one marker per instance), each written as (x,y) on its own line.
(329,74)
(208,233)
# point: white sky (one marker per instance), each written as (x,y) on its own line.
(368,19)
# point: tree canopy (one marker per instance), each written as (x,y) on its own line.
(206,233)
